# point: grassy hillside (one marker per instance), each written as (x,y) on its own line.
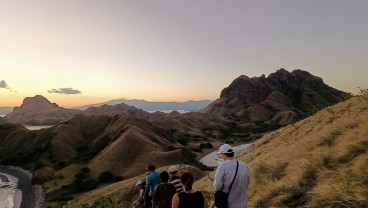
(321,161)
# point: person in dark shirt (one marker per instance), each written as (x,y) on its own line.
(164,192)
(189,198)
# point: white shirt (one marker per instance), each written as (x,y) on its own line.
(223,177)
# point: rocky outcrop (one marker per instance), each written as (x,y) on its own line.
(38,110)
(280,98)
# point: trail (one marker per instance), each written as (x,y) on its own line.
(16,189)
(212,158)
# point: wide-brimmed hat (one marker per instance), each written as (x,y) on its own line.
(173,168)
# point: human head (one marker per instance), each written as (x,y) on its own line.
(164,176)
(226,150)
(151,168)
(173,170)
(187,180)
(139,183)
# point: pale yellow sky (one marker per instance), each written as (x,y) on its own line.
(173,50)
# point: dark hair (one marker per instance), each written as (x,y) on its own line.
(230,154)
(187,179)
(151,167)
(164,176)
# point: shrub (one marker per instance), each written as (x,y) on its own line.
(105,177)
(80,176)
(183,141)
(206,145)
(85,170)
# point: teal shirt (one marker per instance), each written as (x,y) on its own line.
(152,180)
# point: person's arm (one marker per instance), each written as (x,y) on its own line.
(205,204)
(175,201)
(146,191)
(219,178)
(248,176)
(156,196)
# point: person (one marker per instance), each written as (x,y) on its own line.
(175,180)
(140,201)
(189,198)
(164,192)
(225,173)
(152,180)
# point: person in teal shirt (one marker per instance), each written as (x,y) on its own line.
(151,182)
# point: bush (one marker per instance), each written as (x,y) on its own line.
(85,186)
(183,141)
(195,149)
(206,145)
(80,176)
(105,177)
(117,178)
(85,170)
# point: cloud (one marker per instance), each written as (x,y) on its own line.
(3,84)
(67,91)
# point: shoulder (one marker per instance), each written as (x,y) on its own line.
(241,163)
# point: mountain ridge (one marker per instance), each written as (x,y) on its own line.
(189,105)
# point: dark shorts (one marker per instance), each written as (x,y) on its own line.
(148,202)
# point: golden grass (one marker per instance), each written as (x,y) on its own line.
(321,161)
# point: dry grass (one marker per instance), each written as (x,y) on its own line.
(321,161)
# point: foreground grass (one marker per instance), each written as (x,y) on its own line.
(321,161)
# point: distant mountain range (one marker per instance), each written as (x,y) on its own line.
(155,106)
(5,110)
(141,104)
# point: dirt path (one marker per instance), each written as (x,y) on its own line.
(212,158)
(24,184)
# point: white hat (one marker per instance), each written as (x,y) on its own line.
(225,148)
(138,183)
(173,168)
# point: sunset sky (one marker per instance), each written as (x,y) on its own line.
(77,52)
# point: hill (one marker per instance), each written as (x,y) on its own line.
(155,106)
(321,161)
(38,110)
(281,98)
(111,143)
(89,151)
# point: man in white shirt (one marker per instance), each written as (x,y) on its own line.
(224,175)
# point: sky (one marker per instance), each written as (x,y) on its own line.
(78,52)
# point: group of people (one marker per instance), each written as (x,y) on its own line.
(167,189)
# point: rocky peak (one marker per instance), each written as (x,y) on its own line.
(244,84)
(265,99)
(36,103)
